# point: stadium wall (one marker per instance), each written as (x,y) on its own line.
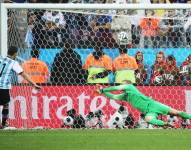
(48,107)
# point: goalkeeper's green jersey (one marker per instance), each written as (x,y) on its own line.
(131,94)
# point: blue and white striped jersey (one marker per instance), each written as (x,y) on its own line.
(7,66)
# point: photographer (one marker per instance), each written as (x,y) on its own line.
(118,119)
(78,120)
(95,119)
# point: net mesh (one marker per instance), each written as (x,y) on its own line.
(78,48)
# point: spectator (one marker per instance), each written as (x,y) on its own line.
(158,68)
(82,30)
(98,66)
(171,28)
(187,28)
(49,29)
(29,35)
(36,69)
(39,31)
(101,25)
(135,20)
(170,75)
(124,66)
(141,72)
(150,28)
(55,28)
(185,71)
(67,67)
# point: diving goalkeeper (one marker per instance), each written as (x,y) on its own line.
(144,104)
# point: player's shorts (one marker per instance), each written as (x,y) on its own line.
(4,96)
(155,108)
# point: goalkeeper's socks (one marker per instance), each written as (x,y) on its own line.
(184,115)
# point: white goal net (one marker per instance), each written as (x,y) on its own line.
(68,49)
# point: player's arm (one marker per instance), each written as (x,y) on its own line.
(19,70)
(115,88)
(100,90)
(26,77)
(115,96)
(101,74)
(108,66)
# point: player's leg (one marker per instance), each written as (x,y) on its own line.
(160,108)
(5,113)
(154,109)
(4,101)
(181,114)
(151,118)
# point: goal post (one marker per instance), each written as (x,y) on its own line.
(3,30)
(55,28)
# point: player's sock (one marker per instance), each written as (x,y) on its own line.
(157,122)
(4,122)
(184,115)
(5,112)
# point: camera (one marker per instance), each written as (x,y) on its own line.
(68,121)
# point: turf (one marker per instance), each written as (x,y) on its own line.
(95,140)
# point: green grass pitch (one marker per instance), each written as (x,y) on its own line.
(94,139)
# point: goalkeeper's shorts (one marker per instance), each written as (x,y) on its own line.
(155,108)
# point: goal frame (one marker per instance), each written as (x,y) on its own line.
(5,6)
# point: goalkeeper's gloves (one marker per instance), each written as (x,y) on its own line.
(99,89)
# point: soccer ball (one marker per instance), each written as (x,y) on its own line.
(123,38)
(68,121)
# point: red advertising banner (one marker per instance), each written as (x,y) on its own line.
(48,107)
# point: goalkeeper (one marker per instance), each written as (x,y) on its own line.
(144,104)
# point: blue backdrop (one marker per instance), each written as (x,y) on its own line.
(47,55)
